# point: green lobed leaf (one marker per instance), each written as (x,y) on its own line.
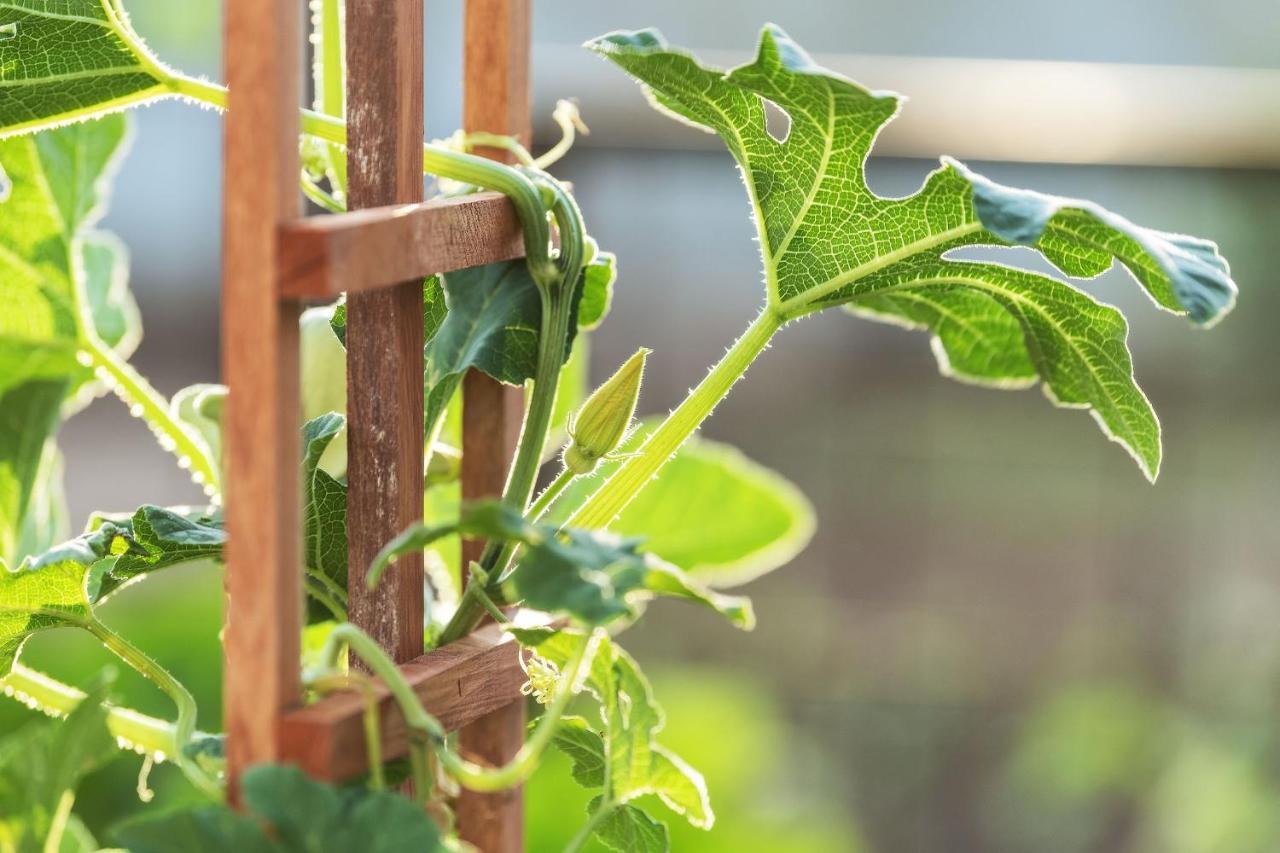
(57,193)
(629,829)
(47,520)
(195,830)
(158,538)
(290,813)
(598,276)
(70,60)
(492,324)
(49,591)
(50,262)
(596,577)
(324,376)
(41,762)
(827,239)
(722,517)
(592,577)
(584,746)
(630,719)
(494,320)
(28,418)
(60,587)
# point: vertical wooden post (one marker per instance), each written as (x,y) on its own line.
(260,362)
(384,327)
(495,98)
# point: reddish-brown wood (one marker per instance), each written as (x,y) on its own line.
(272,260)
(457,684)
(384,327)
(324,256)
(260,361)
(495,98)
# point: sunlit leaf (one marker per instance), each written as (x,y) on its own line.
(50,591)
(714,512)
(50,262)
(827,239)
(71,60)
(592,577)
(629,829)
(41,763)
(624,743)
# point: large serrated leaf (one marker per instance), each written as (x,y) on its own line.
(51,260)
(637,765)
(592,577)
(714,512)
(40,764)
(54,590)
(494,321)
(69,60)
(827,239)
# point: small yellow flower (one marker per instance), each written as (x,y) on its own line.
(543,678)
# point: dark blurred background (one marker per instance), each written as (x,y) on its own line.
(1002,638)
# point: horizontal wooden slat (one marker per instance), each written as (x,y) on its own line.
(458,684)
(324,256)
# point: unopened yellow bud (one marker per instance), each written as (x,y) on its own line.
(602,422)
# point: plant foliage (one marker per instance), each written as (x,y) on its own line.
(826,240)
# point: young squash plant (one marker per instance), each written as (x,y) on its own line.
(605,538)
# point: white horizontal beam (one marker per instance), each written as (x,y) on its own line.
(987,109)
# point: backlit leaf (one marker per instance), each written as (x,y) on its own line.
(51,264)
(629,829)
(42,762)
(625,741)
(720,516)
(592,577)
(70,60)
(827,239)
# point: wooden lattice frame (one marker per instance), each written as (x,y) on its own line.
(274,262)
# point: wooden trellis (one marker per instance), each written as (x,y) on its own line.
(274,262)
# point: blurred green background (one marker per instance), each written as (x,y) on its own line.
(1002,638)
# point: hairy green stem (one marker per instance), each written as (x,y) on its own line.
(442,162)
(525,761)
(550,493)
(557,308)
(479,582)
(617,491)
(469,774)
(363,646)
(131,729)
(143,400)
(185,724)
(58,825)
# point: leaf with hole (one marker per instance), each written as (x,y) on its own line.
(828,240)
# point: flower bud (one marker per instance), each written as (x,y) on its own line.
(602,422)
